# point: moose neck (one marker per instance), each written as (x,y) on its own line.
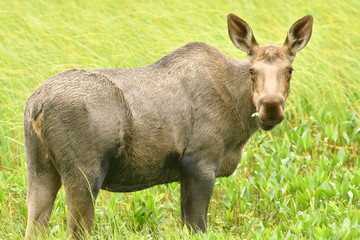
(238,83)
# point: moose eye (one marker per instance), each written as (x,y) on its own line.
(291,71)
(251,71)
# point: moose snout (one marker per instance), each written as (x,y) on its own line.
(271,109)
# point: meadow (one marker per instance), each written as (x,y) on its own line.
(299,181)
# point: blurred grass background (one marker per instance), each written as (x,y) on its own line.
(300,181)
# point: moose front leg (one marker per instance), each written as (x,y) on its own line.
(197,183)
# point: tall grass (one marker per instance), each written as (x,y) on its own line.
(299,181)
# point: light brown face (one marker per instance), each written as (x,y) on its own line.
(270,72)
(270,66)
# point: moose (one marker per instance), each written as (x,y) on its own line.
(185,118)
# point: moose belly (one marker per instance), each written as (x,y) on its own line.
(138,174)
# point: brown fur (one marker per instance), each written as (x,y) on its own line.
(183,118)
(270,54)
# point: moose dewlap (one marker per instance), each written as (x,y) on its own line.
(184,118)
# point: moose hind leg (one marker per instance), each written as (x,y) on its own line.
(196,189)
(81,191)
(81,212)
(42,190)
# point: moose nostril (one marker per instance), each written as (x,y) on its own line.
(271,116)
(270,106)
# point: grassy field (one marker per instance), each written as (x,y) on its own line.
(299,181)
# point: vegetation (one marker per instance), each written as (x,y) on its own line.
(299,181)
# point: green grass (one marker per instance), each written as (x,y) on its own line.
(300,181)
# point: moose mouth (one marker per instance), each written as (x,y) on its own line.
(261,124)
(265,126)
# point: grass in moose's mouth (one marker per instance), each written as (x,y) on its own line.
(300,180)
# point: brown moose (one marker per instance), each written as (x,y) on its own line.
(184,118)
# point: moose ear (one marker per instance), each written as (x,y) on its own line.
(241,34)
(299,34)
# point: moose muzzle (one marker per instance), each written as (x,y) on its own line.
(271,110)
